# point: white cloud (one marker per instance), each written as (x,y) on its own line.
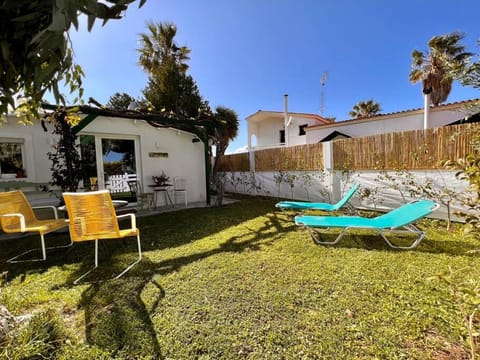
(238,150)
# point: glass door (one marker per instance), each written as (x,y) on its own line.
(119,167)
(109,163)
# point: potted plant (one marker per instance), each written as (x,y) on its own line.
(161,180)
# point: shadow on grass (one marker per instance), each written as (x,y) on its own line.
(372,241)
(117,318)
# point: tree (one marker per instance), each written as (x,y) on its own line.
(120,101)
(169,88)
(172,91)
(158,48)
(221,137)
(66,163)
(35,54)
(469,75)
(365,109)
(436,68)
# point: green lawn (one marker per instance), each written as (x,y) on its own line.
(241,281)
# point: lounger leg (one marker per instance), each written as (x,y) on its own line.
(316,237)
(410,229)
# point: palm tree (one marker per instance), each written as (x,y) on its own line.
(435,69)
(221,137)
(365,109)
(159,48)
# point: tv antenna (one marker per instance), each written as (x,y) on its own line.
(323,79)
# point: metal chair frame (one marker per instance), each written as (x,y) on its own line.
(92,217)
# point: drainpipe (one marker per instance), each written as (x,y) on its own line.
(426,107)
(285,98)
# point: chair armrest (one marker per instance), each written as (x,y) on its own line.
(133,219)
(21,218)
(55,211)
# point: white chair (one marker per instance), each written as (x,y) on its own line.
(143,198)
(179,187)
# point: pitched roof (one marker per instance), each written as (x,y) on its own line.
(475,118)
(262,114)
(333,135)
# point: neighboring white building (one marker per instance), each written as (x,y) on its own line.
(109,145)
(268,129)
(440,115)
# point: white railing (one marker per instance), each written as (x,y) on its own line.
(119,183)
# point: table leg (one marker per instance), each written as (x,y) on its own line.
(154,200)
(168,199)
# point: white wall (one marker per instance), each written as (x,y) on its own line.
(293,130)
(386,124)
(385,194)
(267,131)
(184,157)
(37,143)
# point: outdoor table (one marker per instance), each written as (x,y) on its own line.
(161,188)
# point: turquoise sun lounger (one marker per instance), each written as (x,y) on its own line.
(304,205)
(398,221)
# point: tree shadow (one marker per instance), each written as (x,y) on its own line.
(117,316)
(118,320)
(375,242)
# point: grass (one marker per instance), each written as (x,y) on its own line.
(236,282)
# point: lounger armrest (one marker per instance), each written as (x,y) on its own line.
(133,219)
(23,227)
(55,211)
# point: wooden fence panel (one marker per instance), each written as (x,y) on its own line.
(416,149)
(295,158)
(234,162)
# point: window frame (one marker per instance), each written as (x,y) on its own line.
(301,129)
(21,143)
(282,136)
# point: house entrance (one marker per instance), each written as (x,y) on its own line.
(109,163)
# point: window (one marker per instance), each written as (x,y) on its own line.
(282,136)
(11,156)
(301,129)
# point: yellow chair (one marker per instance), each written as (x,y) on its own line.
(91,216)
(17,216)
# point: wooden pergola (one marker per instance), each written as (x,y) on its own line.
(201,126)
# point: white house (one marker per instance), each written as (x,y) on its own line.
(109,146)
(440,115)
(267,129)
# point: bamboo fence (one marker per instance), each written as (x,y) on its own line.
(414,150)
(234,162)
(295,158)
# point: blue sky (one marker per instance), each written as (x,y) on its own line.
(247,53)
